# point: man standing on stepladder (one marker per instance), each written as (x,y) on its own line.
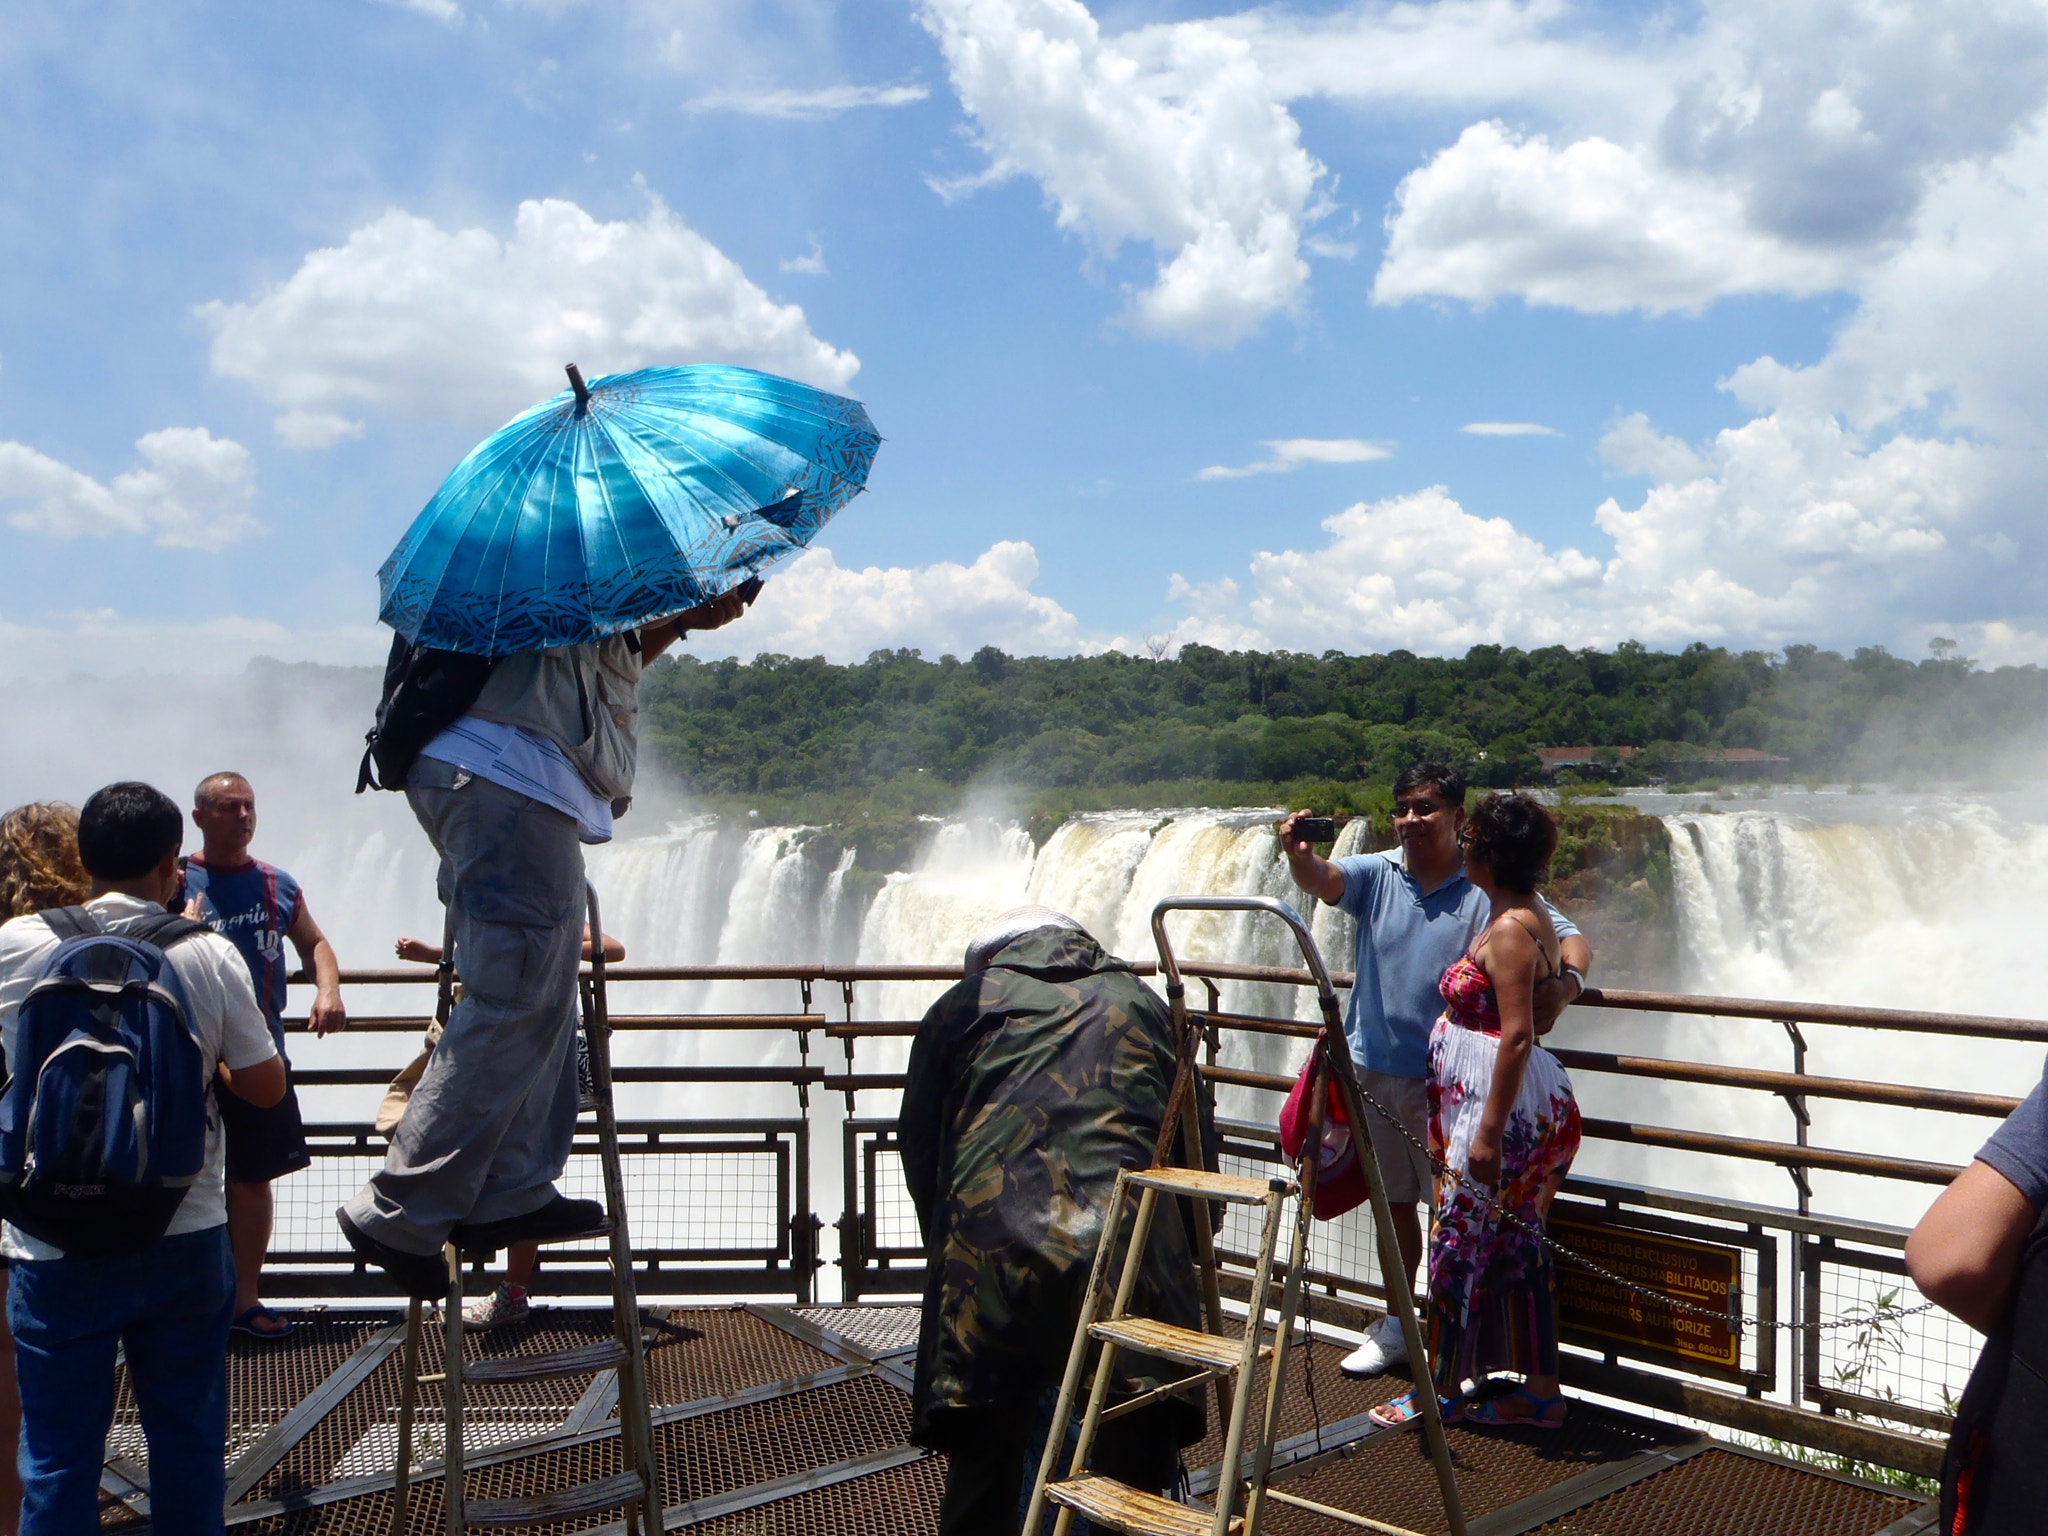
(258,907)
(541,761)
(1417,913)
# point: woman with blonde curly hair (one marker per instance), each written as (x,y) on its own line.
(39,863)
(39,869)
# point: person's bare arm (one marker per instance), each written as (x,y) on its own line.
(1965,1254)
(716,614)
(1313,873)
(317,956)
(1509,956)
(614,951)
(1556,993)
(419,951)
(262,1085)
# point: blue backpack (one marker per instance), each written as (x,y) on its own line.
(103,1121)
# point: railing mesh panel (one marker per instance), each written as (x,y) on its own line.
(729,1201)
(1919,1362)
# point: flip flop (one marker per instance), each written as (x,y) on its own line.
(1406,1410)
(1488,1413)
(246,1324)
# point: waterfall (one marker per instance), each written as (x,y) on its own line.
(1916,902)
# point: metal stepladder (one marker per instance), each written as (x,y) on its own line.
(635,1490)
(1218,1356)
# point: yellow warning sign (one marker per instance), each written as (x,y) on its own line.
(1701,1274)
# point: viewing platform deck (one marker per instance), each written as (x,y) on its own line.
(777,1420)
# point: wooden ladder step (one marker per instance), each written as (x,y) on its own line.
(1188,1345)
(1203,1185)
(1105,1501)
(583,1358)
(614,1492)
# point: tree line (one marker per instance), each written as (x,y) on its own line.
(781,725)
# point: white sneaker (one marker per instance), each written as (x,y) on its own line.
(1384,1350)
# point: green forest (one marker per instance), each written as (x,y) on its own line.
(1247,727)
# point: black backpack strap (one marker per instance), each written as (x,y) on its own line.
(71,922)
(163,929)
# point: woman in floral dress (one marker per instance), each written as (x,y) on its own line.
(1502,1118)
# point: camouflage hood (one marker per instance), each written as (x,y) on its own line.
(1030,1086)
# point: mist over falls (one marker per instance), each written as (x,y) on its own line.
(1895,900)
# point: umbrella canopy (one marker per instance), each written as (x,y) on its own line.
(617,502)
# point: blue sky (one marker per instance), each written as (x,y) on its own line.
(1766,283)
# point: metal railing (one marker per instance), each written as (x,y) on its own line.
(1844,1385)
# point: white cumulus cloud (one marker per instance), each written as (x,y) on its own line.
(815,606)
(407,316)
(1785,529)
(1170,136)
(1508,429)
(1751,148)
(1419,565)
(1286,453)
(1590,226)
(191,490)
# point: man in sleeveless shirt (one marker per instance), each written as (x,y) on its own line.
(260,909)
(541,763)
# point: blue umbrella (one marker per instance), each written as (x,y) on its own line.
(615,502)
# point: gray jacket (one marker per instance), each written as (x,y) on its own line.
(583,698)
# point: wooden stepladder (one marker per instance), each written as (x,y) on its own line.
(1222,1354)
(636,1489)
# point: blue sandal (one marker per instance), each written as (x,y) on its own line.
(1405,1411)
(246,1323)
(1488,1413)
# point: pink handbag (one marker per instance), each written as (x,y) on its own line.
(1340,1178)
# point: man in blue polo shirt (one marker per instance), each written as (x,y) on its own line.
(1417,913)
(259,907)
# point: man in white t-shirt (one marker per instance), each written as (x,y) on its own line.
(167,1308)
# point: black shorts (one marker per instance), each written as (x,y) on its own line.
(263,1144)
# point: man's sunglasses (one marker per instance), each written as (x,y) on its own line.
(1418,807)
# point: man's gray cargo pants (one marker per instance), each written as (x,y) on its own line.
(489,1126)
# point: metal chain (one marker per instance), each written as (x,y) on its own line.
(1735,1321)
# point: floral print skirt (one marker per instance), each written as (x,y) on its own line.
(1492,1287)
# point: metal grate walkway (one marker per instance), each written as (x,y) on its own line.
(780,1421)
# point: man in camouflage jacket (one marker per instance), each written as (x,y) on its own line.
(1031,1083)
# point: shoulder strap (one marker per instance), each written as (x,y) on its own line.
(71,922)
(1549,969)
(163,929)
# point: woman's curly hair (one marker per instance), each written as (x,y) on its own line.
(1514,837)
(39,863)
